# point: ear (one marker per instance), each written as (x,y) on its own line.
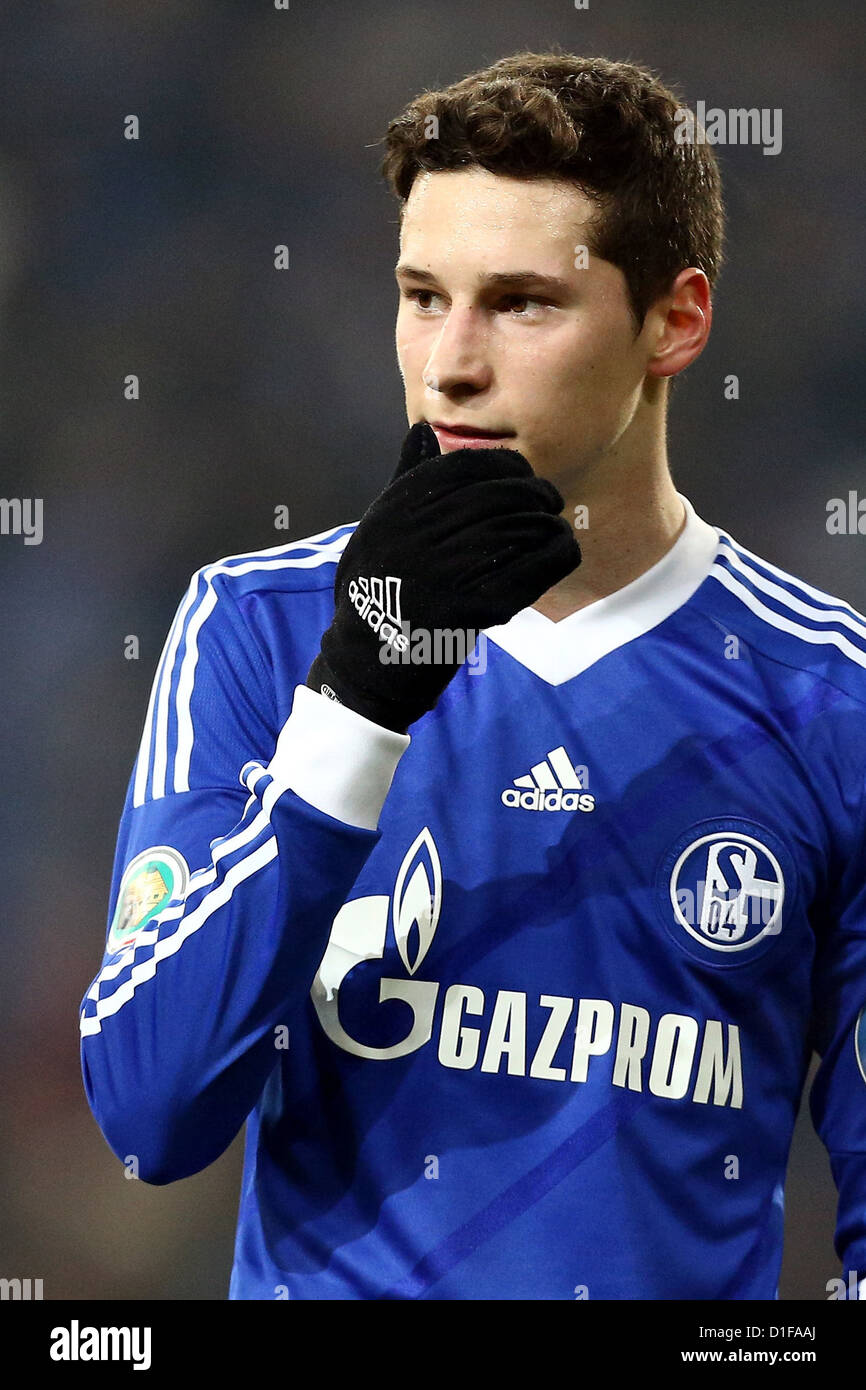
(420,443)
(680,323)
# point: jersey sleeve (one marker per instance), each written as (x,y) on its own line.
(838,1095)
(238,844)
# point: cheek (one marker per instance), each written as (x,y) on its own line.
(555,376)
(582,390)
(411,352)
(402,330)
(405,358)
(410,368)
(587,368)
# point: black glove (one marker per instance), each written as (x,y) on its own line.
(458,541)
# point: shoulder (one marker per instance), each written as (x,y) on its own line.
(297,566)
(215,686)
(220,594)
(212,610)
(790,620)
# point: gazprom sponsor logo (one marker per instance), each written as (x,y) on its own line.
(549,1037)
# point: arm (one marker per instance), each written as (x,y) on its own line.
(177,1028)
(838,1097)
(233,858)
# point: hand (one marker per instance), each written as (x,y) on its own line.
(459,541)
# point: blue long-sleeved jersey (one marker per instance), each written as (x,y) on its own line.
(519,1006)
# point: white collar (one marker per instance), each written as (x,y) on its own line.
(558,651)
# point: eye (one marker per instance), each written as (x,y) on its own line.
(512,302)
(415,294)
(519,305)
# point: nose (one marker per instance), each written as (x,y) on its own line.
(459,360)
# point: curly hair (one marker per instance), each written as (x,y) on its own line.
(608,128)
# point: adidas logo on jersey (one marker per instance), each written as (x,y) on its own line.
(551,785)
(377,601)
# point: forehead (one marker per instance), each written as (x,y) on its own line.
(456,211)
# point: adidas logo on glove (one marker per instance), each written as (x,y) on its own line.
(377,601)
(551,785)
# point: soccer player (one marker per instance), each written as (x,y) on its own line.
(499,858)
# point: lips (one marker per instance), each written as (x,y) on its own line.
(467,436)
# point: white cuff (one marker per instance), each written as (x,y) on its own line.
(335,759)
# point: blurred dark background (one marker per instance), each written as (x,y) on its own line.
(262,388)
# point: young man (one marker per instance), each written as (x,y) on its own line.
(518,1005)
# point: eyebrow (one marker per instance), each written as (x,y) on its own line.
(522,279)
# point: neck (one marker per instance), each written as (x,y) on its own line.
(627,520)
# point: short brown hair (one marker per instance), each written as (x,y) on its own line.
(608,128)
